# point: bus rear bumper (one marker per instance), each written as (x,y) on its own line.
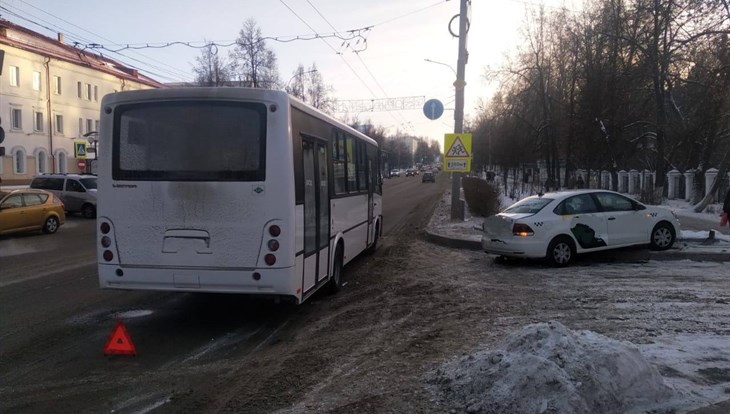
(279,281)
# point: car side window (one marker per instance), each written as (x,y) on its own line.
(39,183)
(580,204)
(73,185)
(13,201)
(32,199)
(47,183)
(614,202)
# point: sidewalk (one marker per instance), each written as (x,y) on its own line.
(692,244)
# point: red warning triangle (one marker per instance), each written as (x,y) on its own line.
(119,342)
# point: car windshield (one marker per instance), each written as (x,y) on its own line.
(530,205)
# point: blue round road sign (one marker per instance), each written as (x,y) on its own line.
(433,109)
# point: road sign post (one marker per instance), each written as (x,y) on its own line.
(457,204)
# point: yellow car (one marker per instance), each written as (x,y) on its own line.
(29,210)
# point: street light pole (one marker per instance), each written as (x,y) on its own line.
(442,63)
(457,205)
(297,75)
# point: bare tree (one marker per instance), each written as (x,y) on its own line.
(255,64)
(211,69)
(309,86)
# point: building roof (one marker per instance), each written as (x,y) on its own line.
(20,37)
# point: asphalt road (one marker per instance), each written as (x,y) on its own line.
(55,320)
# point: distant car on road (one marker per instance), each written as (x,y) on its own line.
(394,173)
(428,176)
(410,173)
(30,210)
(557,226)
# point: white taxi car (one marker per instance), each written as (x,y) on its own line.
(557,226)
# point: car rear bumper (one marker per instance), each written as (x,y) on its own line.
(514,246)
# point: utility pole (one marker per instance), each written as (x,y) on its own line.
(457,204)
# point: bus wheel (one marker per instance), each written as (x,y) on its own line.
(335,283)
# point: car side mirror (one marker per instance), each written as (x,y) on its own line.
(639,207)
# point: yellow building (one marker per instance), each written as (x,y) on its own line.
(50,94)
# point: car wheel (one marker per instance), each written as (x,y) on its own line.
(51,225)
(662,237)
(560,252)
(88,211)
(335,283)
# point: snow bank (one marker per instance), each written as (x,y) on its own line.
(547,368)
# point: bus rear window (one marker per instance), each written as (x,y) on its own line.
(190,141)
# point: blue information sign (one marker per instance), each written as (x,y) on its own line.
(433,109)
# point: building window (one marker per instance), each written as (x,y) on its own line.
(57,85)
(88,92)
(38,121)
(14,75)
(59,124)
(89,125)
(96,126)
(42,162)
(16,118)
(36,81)
(96,93)
(81,126)
(78,88)
(62,166)
(19,162)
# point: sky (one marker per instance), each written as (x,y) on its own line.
(402,34)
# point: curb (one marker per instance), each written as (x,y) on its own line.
(668,255)
(452,242)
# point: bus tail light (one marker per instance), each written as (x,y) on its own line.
(274,231)
(270,259)
(522,230)
(273,245)
(107,243)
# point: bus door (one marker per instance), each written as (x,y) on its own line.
(371,186)
(316,212)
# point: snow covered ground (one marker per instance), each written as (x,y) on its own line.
(666,347)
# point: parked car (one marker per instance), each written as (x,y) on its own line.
(30,210)
(77,191)
(428,176)
(557,226)
(394,173)
(410,173)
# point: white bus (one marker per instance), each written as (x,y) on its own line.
(231,190)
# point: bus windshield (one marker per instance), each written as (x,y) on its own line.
(190,141)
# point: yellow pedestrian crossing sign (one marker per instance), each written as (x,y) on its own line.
(457,157)
(80,149)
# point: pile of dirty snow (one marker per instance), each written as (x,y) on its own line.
(547,368)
